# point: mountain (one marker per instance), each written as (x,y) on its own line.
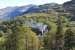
(49,6)
(70,7)
(11,12)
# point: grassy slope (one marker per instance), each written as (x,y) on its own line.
(38,14)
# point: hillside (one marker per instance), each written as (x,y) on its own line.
(49,26)
(70,7)
(11,12)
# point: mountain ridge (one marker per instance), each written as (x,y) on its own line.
(15,11)
(11,12)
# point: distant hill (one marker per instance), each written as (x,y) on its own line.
(49,8)
(11,12)
(70,7)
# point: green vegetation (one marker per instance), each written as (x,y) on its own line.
(16,34)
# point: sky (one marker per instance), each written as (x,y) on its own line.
(7,3)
